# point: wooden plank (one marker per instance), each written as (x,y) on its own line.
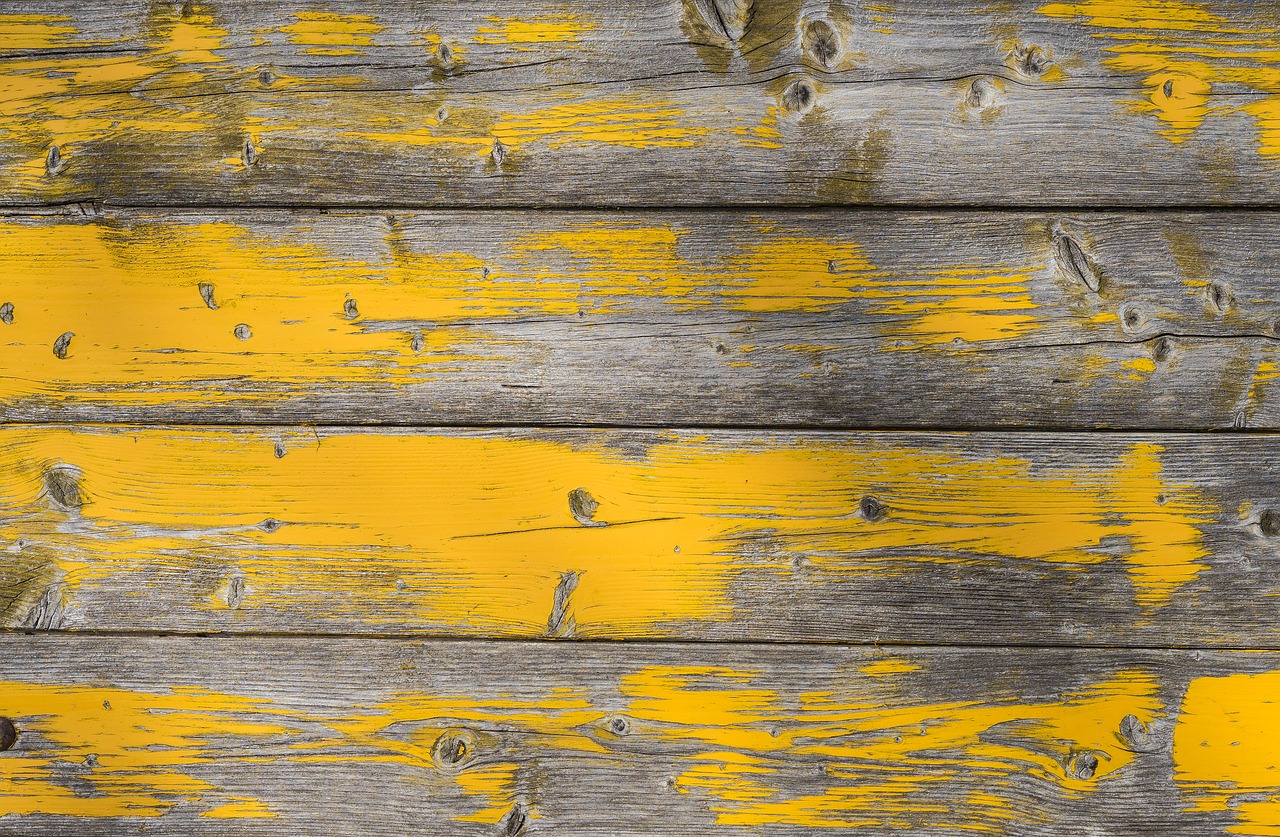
(655,102)
(181,736)
(840,319)
(1093,539)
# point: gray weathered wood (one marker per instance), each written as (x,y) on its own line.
(647,103)
(1090,539)
(321,737)
(834,318)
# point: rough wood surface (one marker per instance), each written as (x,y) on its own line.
(984,538)
(321,737)
(656,102)
(834,318)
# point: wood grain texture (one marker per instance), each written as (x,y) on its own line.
(835,318)
(657,102)
(1085,539)
(319,737)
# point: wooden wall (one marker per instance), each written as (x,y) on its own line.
(673,417)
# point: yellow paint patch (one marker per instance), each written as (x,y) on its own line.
(888,668)
(539,29)
(884,765)
(139,752)
(71,101)
(474,532)
(1226,749)
(1187,55)
(331,33)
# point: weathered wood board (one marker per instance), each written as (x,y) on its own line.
(657,102)
(1090,539)
(320,737)
(842,319)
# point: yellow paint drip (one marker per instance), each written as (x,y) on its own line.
(476,532)
(1182,51)
(884,765)
(1226,749)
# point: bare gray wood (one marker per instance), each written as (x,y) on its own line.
(657,102)
(1073,539)
(336,736)
(834,318)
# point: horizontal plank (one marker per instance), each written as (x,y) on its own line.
(1100,539)
(182,736)
(653,102)
(834,319)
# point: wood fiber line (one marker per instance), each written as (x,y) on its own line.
(659,102)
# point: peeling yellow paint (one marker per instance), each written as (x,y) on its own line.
(1226,749)
(1181,50)
(881,762)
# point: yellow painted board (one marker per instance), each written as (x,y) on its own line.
(838,319)
(1096,539)
(322,736)
(1126,102)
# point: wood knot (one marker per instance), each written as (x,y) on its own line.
(1218,297)
(1073,262)
(6,313)
(583,507)
(280,450)
(248,153)
(416,342)
(444,56)
(454,749)
(1083,766)
(54,162)
(1030,60)
(271,524)
(235,592)
(1161,348)
(561,622)
(1131,318)
(242,332)
(727,19)
(350,310)
(62,344)
(982,94)
(872,509)
(8,734)
(799,96)
(62,485)
(206,293)
(515,822)
(619,725)
(1269,523)
(498,154)
(821,40)
(265,77)
(1137,734)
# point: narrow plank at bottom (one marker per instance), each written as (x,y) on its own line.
(181,736)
